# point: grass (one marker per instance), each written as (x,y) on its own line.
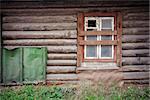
(84,92)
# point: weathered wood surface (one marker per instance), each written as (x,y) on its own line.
(39,19)
(135,38)
(85,33)
(52,49)
(136,53)
(136,60)
(103,42)
(72,3)
(59,77)
(39,34)
(38,26)
(135,23)
(135,68)
(119,40)
(62,49)
(62,56)
(141,81)
(40,42)
(61,62)
(61,69)
(68,11)
(51,82)
(136,75)
(135,31)
(136,16)
(79,30)
(141,45)
(26,22)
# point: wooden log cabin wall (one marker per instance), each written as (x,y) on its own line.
(54,25)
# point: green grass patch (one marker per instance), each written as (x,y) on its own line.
(100,92)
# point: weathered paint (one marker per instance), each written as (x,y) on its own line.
(12,65)
(34,63)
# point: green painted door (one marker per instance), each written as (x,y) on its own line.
(12,65)
(34,63)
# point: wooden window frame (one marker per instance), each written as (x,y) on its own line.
(117,34)
(98,28)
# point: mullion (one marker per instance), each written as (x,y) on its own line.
(99,28)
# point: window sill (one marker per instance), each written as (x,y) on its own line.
(90,66)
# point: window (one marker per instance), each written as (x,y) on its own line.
(99,24)
(99,38)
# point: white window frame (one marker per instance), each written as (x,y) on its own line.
(112,18)
(91,18)
(85,51)
(98,28)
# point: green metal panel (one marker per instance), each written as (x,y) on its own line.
(12,65)
(34,62)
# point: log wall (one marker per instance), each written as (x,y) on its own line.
(135,47)
(56,28)
(57,33)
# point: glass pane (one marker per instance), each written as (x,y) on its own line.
(91,23)
(91,51)
(93,37)
(91,29)
(106,23)
(106,37)
(106,51)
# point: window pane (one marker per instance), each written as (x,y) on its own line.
(91,23)
(91,51)
(106,51)
(106,23)
(91,29)
(106,37)
(93,37)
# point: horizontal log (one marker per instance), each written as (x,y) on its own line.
(142,13)
(135,68)
(135,60)
(135,24)
(52,49)
(39,34)
(141,81)
(62,56)
(76,9)
(85,33)
(136,75)
(62,49)
(128,46)
(38,42)
(136,53)
(92,42)
(135,38)
(39,19)
(62,69)
(38,26)
(135,31)
(68,11)
(61,62)
(136,16)
(61,82)
(71,4)
(40,12)
(63,77)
